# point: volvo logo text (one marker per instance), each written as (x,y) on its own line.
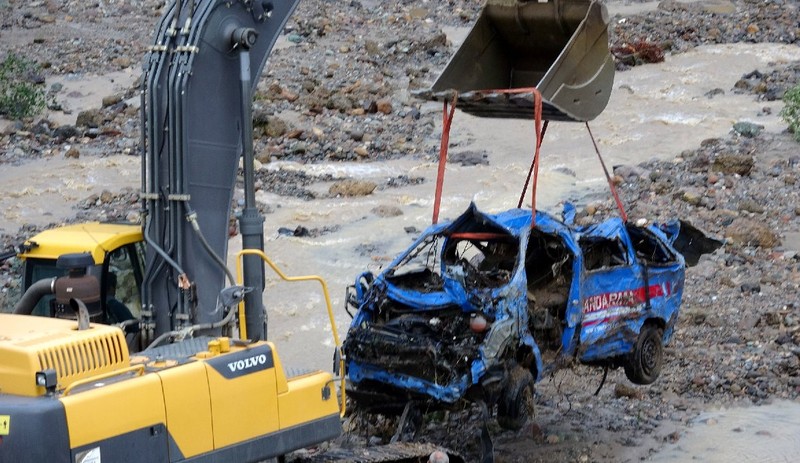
(247,363)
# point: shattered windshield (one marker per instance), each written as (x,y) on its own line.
(420,269)
(481,260)
(476,259)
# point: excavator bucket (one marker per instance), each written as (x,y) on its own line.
(558,46)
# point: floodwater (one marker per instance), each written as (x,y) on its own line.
(765,434)
(45,191)
(656,111)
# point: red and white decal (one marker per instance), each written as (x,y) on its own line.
(607,306)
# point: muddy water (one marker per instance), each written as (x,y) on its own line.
(87,91)
(45,191)
(766,434)
(655,111)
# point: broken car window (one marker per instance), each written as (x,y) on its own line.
(648,248)
(482,260)
(600,253)
(548,265)
(420,270)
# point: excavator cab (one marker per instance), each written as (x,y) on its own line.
(109,248)
(560,47)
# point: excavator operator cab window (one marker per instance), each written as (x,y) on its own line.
(116,310)
(40,269)
(122,279)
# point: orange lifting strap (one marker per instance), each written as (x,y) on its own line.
(608,177)
(540,130)
(447,118)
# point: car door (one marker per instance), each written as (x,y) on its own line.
(662,271)
(611,292)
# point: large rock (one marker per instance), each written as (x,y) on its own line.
(384,105)
(92,118)
(340,102)
(352,188)
(748,232)
(733,164)
(385,211)
(692,196)
(747,129)
(275,127)
(749,205)
(623,390)
(111,100)
(630,173)
(66,131)
(267,125)
(469,158)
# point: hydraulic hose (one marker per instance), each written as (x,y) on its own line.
(124,325)
(191,217)
(203,326)
(164,254)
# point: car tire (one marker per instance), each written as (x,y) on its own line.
(515,406)
(643,365)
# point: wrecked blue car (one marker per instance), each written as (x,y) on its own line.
(483,306)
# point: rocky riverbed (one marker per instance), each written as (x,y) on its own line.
(338,89)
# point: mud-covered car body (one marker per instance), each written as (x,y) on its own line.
(473,298)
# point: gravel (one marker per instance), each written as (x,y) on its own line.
(342,92)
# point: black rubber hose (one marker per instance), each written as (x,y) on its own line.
(203,326)
(33,295)
(191,217)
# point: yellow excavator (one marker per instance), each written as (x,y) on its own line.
(128,343)
(136,342)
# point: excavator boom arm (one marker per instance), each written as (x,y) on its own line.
(205,62)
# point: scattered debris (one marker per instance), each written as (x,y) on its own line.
(638,53)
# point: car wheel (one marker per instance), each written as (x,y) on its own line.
(643,365)
(516,402)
